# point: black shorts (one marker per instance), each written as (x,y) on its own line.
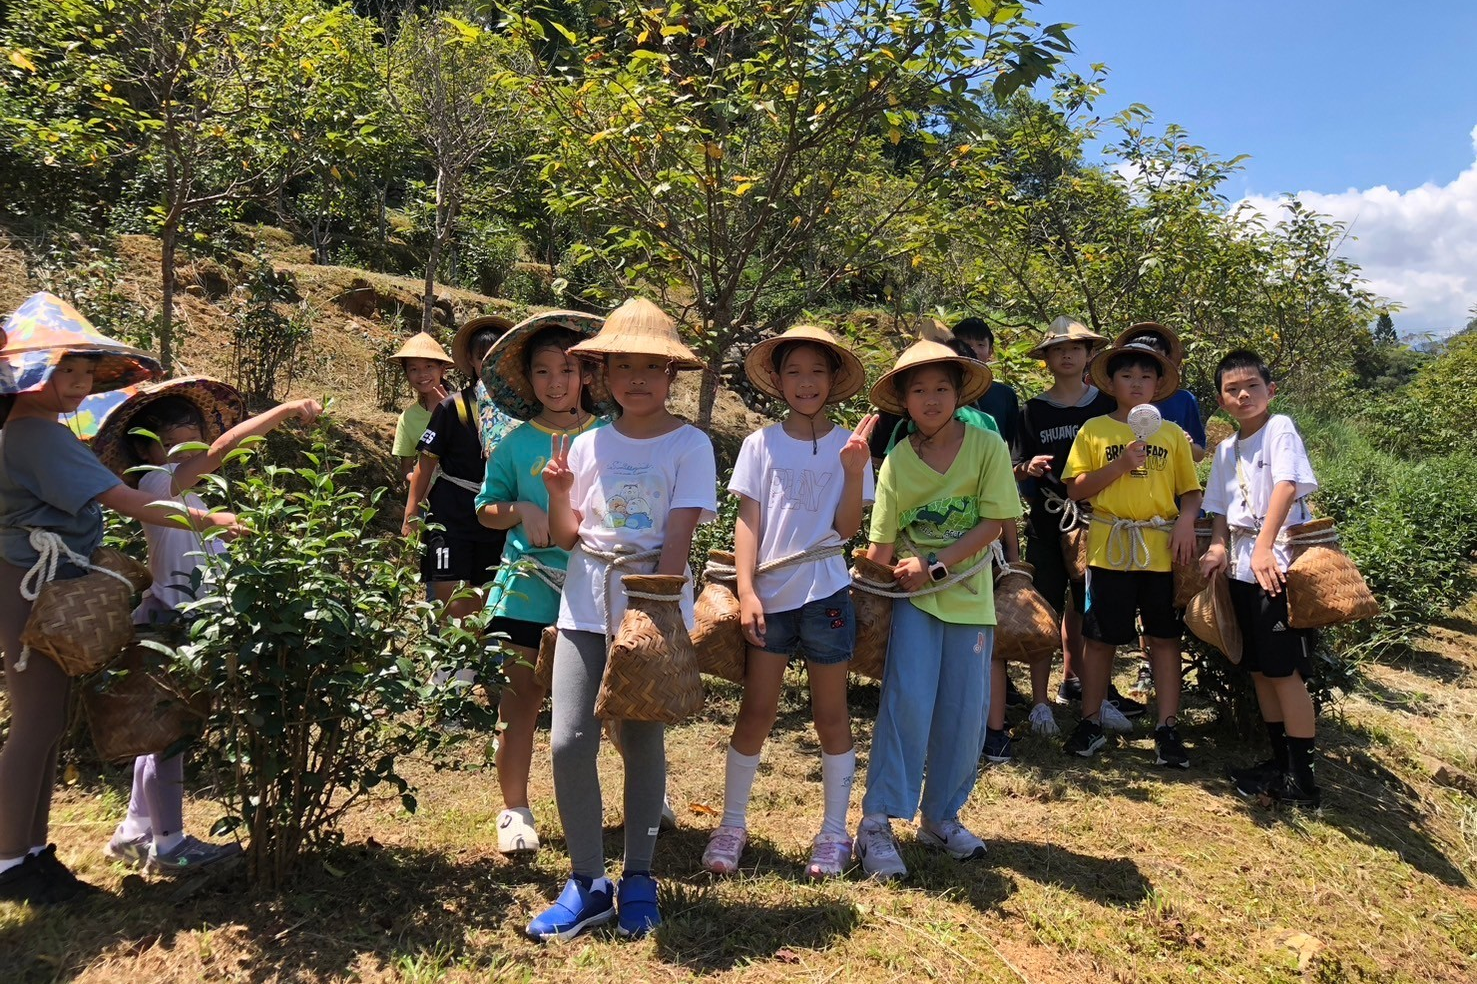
(1044,552)
(1115,597)
(520,632)
(1269,645)
(449,557)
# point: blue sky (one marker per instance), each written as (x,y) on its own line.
(1369,108)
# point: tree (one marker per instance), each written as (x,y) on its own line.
(704,146)
(450,90)
(1384,330)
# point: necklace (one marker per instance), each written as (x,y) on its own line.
(581,418)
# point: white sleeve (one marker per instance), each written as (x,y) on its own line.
(1222,476)
(582,462)
(748,469)
(1288,456)
(696,485)
(869,484)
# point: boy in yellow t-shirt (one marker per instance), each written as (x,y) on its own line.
(1137,532)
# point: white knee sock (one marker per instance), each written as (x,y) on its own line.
(167,843)
(738,783)
(836,775)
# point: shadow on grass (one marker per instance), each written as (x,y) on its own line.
(392,904)
(705,933)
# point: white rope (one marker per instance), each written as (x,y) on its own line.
(462,483)
(50,549)
(1126,543)
(727,573)
(614,561)
(1073,513)
(995,553)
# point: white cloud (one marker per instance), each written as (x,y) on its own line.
(1417,247)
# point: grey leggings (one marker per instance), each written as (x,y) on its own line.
(579,662)
(38,719)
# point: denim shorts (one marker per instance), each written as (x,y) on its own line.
(823,631)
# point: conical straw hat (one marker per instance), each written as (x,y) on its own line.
(639,327)
(221,408)
(422,345)
(1065,329)
(977,375)
(504,371)
(847,381)
(1171,339)
(1169,376)
(46,328)
(463,340)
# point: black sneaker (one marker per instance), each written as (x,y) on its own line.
(65,885)
(30,882)
(1289,792)
(1171,751)
(1126,706)
(997,746)
(1013,697)
(1253,780)
(1070,690)
(1085,739)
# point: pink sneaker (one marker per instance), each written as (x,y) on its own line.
(725,845)
(829,856)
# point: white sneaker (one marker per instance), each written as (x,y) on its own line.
(515,831)
(952,837)
(1043,722)
(829,856)
(1113,719)
(669,815)
(876,849)
(725,846)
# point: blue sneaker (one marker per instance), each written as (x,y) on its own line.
(579,907)
(636,898)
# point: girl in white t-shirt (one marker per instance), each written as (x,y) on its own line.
(801,486)
(191,410)
(638,487)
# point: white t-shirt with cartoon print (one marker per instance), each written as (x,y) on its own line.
(798,487)
(623,489)
(1273,454)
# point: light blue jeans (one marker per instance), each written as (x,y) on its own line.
(931,720)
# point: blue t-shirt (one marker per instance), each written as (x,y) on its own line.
(515,474)
(49,479)
(1182,408)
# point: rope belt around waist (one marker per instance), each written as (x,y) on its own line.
(461,483)
(728,574)
(50,549)
(1126,543)
(995,553)
(1073,513)
(615,561)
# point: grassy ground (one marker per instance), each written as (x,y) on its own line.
(1109,871)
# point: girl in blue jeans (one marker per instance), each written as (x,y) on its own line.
(943,497)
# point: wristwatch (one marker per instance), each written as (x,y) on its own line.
(936,569)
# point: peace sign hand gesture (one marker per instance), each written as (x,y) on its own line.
(558,479)
(856,455)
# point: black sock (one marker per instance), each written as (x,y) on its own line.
(1300,761)
(1277,738)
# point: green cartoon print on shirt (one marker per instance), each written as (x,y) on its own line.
(942,520)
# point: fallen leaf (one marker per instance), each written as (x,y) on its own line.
(704,809)
(787,956)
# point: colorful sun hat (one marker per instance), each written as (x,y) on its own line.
(88,418)
(221,408)
(1171,340)
(977,375)
(505,372)
(460,345)
(46,328)
(1065,329)
(847,381)
(639,327)
(1169,376)
(422,345)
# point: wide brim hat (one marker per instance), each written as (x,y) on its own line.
(461,354)
(423,345)
(639,327)
(1065,329)
(88,418)
(847,381)
(505,373)
(1171,338)
(45,329)
(221,408)
(1169,376)
(977,375)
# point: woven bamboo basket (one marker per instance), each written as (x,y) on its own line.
(142,711)
(1323,586)
(1188,581)
(1074,551)
(1026,629)
(651,671)
(543,666)
(718,635)
(873,619)
(84,622)
(1211,618)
